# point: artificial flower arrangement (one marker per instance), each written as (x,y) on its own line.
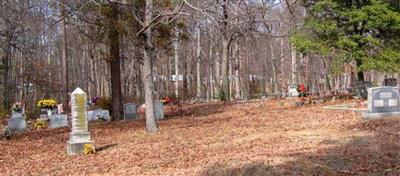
(88,149)
(17,107)
(39,124)
(47,103)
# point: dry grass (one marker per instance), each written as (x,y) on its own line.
(257,138)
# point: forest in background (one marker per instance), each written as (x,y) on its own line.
(138,51)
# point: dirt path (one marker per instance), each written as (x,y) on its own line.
(258,138)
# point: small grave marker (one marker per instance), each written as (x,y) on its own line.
(60,109)
(389,82)
(99,114)
(130,111)
(17,122)
(360,89)
(292,91)
(58,121)
(159,110)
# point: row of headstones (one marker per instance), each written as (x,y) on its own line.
(17,121)
(130,111)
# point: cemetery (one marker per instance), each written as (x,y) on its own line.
(261,136)
(204,88)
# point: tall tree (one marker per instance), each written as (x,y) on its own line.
(149,55)
(114,61)
(64,55)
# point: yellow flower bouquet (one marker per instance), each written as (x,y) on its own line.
(40,124)
(47,103)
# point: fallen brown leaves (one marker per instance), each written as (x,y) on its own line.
(263,137)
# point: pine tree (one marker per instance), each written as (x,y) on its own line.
(365,31)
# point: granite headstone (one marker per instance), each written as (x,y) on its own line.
(360,89)
(99,114)
(17,122)
(382,102)
(130,111)
(58,120)
(159,110)
(383,99)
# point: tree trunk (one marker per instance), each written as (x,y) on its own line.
(326,76)
(265,73)
(225,53)
(185,79)
(274,69)
(225,69)
(176,54)
(6,64)
(217,86)
(237,72)
(114,62)
(211,75)
(151,125)
(198,70)
(360,74)
(294,66)
(64,58)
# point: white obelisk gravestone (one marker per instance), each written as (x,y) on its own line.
(80,134)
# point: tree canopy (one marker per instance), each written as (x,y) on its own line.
(366,31)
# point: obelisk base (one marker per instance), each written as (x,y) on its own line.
(75,146)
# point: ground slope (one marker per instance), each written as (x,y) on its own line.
(257,138)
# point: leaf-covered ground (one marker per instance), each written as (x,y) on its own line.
(257,138)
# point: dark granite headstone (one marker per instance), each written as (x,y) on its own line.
(130,111)
(159,110)
(360,89)
(390,82)
(383,99)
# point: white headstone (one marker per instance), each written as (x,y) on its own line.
(17,122)
(80,134)
(292,91)
(58,120)
(97,115)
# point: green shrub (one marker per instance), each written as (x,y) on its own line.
(221,96)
